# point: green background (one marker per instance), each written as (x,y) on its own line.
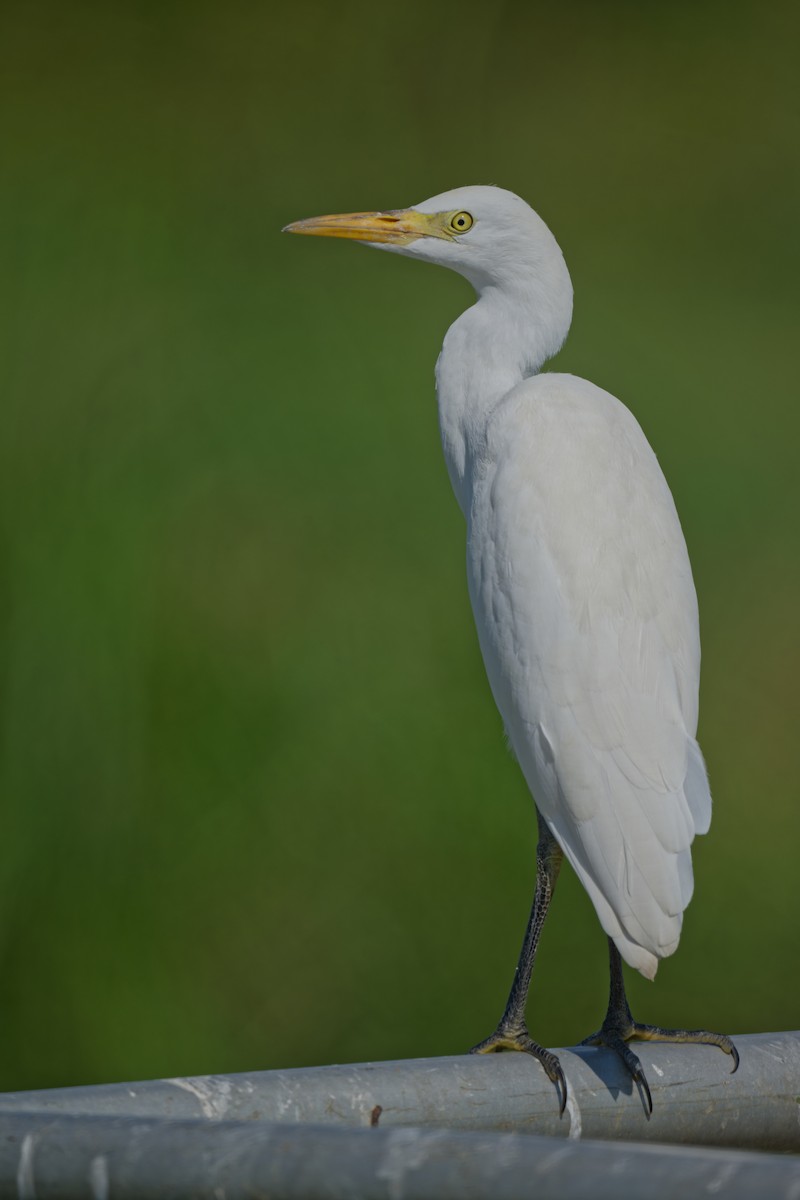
(256,805)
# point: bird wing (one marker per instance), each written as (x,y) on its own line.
(587,618)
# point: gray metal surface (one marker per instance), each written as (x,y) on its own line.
(696,1100)
(54,1158)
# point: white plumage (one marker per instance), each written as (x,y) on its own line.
(579,580)
(578,572)
(586,613)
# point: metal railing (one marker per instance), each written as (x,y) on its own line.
(482,1127)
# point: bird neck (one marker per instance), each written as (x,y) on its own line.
(507,336)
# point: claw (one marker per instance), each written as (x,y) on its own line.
(561,1087)
(637,1074)
(520,1040)
(615,1039)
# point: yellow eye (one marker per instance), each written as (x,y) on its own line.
(460,222)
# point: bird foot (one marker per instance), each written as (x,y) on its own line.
(518,1038)
(616,1034)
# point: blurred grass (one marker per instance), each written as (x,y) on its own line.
(257,809)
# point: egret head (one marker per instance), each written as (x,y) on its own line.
(487,234)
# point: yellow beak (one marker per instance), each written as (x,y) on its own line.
(399,226)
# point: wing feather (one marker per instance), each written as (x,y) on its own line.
(587,618)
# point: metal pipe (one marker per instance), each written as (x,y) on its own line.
(695,1098)
(43,1157)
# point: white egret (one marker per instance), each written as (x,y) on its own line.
(582,594)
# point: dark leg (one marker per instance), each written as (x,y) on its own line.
(512,1032)
(619,1027)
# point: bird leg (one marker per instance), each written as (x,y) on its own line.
(619,1027)
(512,1032)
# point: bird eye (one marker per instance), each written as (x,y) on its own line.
(460,222)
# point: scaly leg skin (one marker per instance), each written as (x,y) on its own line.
(512,1032)
(619,1027)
